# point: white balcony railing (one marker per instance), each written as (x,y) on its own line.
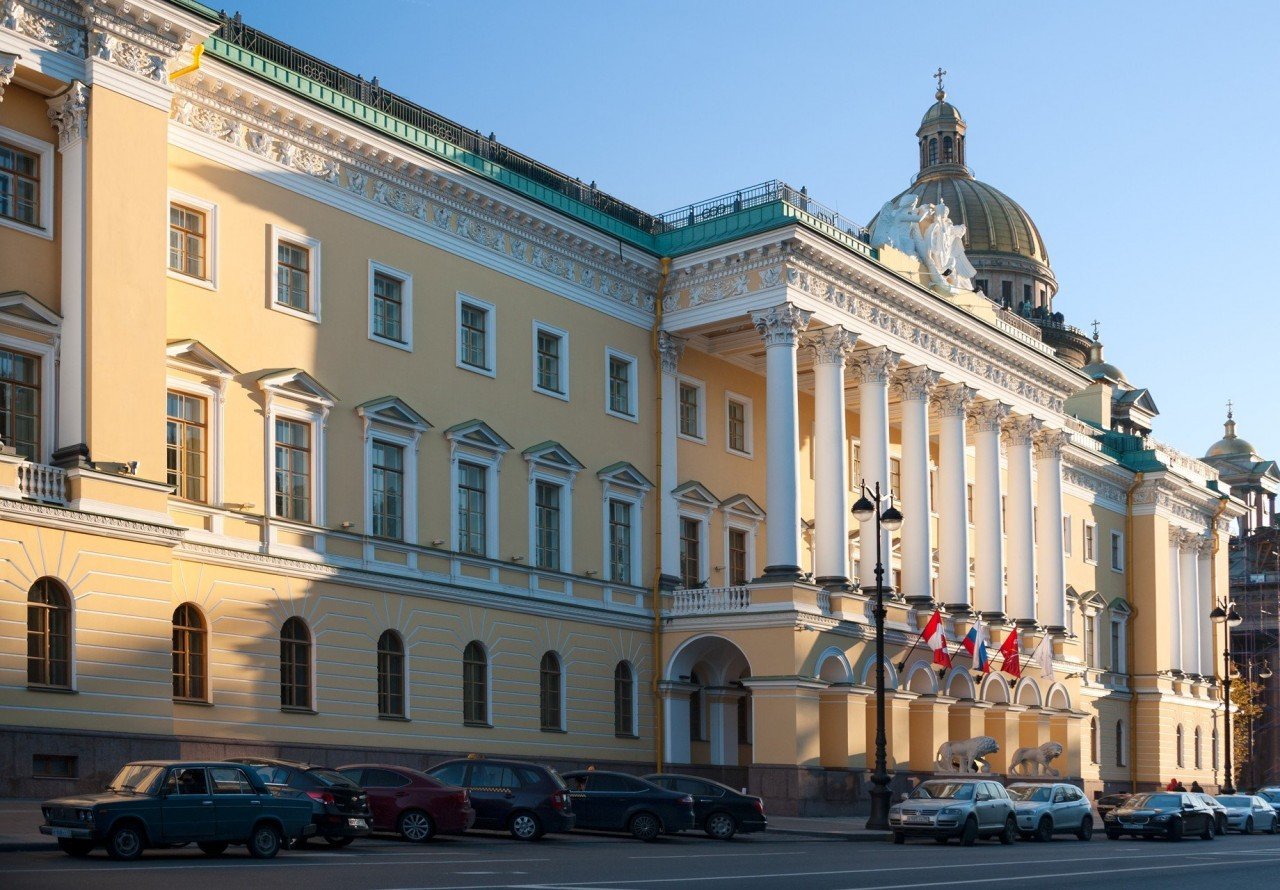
(39,482)
(710,601)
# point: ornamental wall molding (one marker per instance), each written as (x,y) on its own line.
(66,519)
(59,26)
(1165,495)
(358,166)
(1107,488)
(8,68)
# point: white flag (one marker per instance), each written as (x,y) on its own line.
(1044,656)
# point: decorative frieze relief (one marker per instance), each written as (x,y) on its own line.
(43,27)
(1162,495)
(1108,491)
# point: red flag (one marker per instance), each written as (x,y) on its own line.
(937,641)
(1012,664)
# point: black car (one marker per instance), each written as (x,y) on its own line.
(1168,814)
(523,798)
(608,801)
(1109,802)
(339,807)
(718,810)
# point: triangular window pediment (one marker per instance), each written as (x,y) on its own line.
(695,493)
(625,475)
(393,411)
(21,310)
(742,505)
(298,384)
(552,454)
(1120,608)
(192,355)
(477,434)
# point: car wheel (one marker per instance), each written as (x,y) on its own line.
(899,837)
(75,847)
(1248,826)
(644,826)
(1113,835)
(1011,831)
(415,826)
(1086,829)
(125,843)
(1044,830)
(1272,828)
(1175,830)
(264,842)
(721,826)
(525,827)
(1209,831)
(336,841)
(969,834)
(212,848)
(1221,825)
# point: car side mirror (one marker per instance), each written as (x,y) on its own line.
(903,796)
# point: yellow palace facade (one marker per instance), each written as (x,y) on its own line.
(334,430)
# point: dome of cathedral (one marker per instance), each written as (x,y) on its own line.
(1230,445)
(1101,370)
(942,110)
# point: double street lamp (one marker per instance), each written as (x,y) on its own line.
(1224,615)
(867,507)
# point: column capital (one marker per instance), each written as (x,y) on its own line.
(987,415)
(1049,443)
(780,325)
(914,384)
(69,114)
(831,346)
(670,351)
(1019,429)
(8,67)
(874,365)
(952,399)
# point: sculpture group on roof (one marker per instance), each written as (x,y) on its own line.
(926,232)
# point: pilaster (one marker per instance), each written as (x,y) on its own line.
(670,351)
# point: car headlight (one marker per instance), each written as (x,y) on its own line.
(1110,817)
(84,815)
(1163,817)
(949,811)
(45,811)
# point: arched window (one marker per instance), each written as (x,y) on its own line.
(190,654)
(1119,743)
(947,149)
(1094,751)
(933,151)
(549,697)
(1196,750)
(695,710)
(390,675)
(1213,746)
(1178,758)
(624,700)
(475,684)
(295,665)
(48,634)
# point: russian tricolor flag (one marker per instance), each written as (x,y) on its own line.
(974,643)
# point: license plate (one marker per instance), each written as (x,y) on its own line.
(62,832)
(357,823)
(918,820)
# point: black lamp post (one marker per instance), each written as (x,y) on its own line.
(1225,616)
(891,519)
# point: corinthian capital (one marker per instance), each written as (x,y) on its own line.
(8,67)
(670,351)
(914,384)
(1019,428)
(69,114)
(874,365)
(953,399)
(780,325)
(831,346)
(987,415)
(1049,444)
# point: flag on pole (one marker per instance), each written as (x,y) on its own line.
(936,639)
(975,645)
(1011,653)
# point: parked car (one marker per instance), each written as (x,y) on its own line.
(718,810)
(1247,813)
(609,801)
(1270,795)
(161,803)
(339,807)
(1109,802)
(945,808)
(1046,809)
(1170,814)
(411,803)
(523,798)
(1219,811)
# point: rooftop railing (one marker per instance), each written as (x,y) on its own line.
(754,196)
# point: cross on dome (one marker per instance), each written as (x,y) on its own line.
(1096,323)
(1230,416)
(938,75)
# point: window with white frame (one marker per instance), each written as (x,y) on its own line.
(691,545)
(193,240)
(696,505)
(624,490)
(855,465)
(294,469)
(473,508)
(295,284)
(476,331)
(742,520)
(547,524)
(386,489)
(895,478)
(1066,535)
(620,384)
(550,361)
(1119,637)
(621,534)
(26,183)
(390,306)
(297,409)
(738,432)
(739,555)
(1090,542)
(187,445)
(968,502)
(692,409)
(1117,551)
(552,470)
(21,402)
(196,390)
(475,461)
(392,432)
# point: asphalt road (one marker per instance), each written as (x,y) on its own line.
(599,862)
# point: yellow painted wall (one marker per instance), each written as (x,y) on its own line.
(32,263)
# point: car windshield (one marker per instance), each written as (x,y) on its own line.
(1155,802)
(1235,801)
(943,791)
(137,777)
(331,779)
(1037,793)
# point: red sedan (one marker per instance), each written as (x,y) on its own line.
(412,804)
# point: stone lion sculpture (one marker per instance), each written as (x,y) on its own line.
(1035,761)
(966,756)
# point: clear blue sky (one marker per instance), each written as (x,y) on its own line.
(1132,132)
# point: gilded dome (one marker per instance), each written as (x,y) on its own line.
(994,222)
(1100,369)
(1230,445)
(940,111)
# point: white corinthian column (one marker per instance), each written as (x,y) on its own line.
(873,368)
(1020,519)
(831,469)
(1050,568)
(670,349)
(951,402)
(912,386)
(779,327)
(988,542)
(1204,626)
(1189,584)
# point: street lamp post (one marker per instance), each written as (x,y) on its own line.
(891,519)
(1224,615)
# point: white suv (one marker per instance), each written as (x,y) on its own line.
(945,808)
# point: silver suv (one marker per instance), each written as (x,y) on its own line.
(945,808)
(1045,809)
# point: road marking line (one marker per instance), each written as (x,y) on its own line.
(293,860)
(721,855)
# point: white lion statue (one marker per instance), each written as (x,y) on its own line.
(1035,761)
(966,756)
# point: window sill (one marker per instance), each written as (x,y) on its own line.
(396,718)
(289,709)
(402,345)
(206,283)
(312,317)
(701,440)
(554,729)
(625,735)
(476,369)
(38,231)
(562,396)
(59,690)
(196,702)
(632,418)
(477,724)
(736,453)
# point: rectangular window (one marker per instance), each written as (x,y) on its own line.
(473,336)
(20,402)
(738,414)
(1117,551)
(1091,640)
(968,502)
(690,552)
(19,185)
(54,766)
(1066,535)
(387,490)
(855,465)
(933,490)
(1090,542)
(550,361)
(187,445)
(293,470)
(188,239)
(1006,293)
(388,307)
(472,531)
(1117,647)
(1026,293)
(620,542)
(690,410)
(895,477)
(293,276)
(546,525)
(621,396)
(737,557)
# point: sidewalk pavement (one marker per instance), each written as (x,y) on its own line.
(20,821)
